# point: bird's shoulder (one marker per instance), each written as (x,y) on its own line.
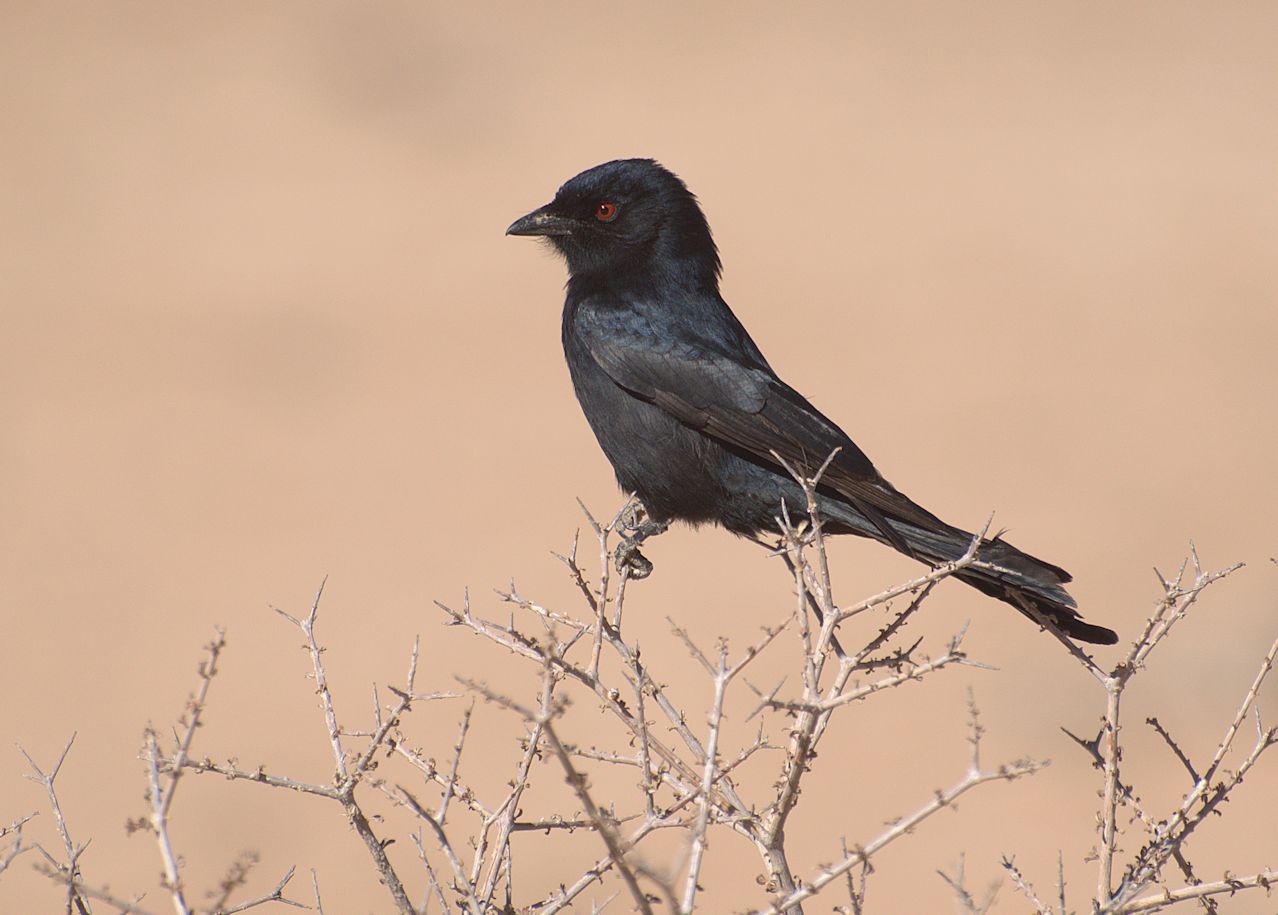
(647,346)
(711,376)
(692,324)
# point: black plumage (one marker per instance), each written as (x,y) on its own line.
(689,412)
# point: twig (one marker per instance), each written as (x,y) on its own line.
(319,903)
(84,891)
(275,895)
(347,778)
(902,827)
(433,888)
(451,784)
(460,883)
(505,815)
(966,900)
(160,800)
(1019,881)
(70,872)
(307,626)
(721,679)
(1110,755)
(1172,745)
(1205,796)
(577,781)
(1267,880)
(18,847)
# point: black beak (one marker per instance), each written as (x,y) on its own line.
(542,222)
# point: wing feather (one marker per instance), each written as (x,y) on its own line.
(745,406)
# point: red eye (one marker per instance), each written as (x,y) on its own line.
(606,212)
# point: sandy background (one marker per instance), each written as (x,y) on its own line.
(259,324)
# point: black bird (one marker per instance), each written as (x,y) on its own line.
(689,412)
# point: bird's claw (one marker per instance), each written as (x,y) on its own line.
(629,560)
(637,526)
(633,514)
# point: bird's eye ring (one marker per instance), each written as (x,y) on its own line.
(606,212)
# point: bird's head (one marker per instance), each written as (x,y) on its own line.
(626,215)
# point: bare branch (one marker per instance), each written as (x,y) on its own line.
(160,822)
(460,882)
(1009,865)
(1266,880)
(722,677)
(307,626)
(902,827)
(275,895)
(967,902)
(69,872)
(84,891)
(19,847)
(1171,745)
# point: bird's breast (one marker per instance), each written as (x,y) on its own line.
(675,470)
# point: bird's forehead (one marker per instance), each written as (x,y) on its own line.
(587,187)
(626,177)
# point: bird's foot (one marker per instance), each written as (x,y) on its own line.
(630,561)
(636,527)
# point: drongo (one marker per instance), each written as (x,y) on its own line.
(691,415)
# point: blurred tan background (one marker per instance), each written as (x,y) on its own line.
(259,325)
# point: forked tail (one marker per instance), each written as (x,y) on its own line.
(1029,584)
(1032,586)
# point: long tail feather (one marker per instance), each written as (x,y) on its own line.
(1029,584)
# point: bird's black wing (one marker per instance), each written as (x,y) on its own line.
(698,381)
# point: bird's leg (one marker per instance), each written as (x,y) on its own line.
(636,527)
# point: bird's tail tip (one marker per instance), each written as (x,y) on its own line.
(1082,631)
